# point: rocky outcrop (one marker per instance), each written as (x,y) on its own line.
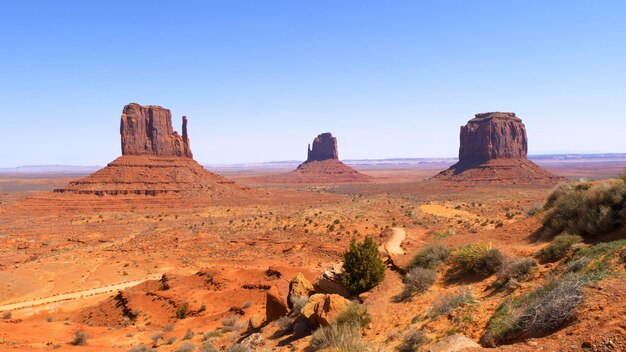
(275,304)
(324,148)
(494,148)
(493,135)
(322,309)
(147,130)
(300,287)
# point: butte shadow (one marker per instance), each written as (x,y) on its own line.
(494,149)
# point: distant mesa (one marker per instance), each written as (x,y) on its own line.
(155,160)
(494,148)
(324,148)
(323,165)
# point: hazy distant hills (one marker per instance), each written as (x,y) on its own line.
(417,162)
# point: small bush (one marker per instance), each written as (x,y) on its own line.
(479,258)
(7,315)
(576,265)
(141,348)
(208,347)
(182,311)
(412,341)
(338,337)
(156,336)
(80,338)
(171,340)
(363,268)
(239,348)
(230,324)
(446,304)
(188,335)
(516,269)
(431,256)
(186,347)
(285,325)
(560,246)
(587,209)
(418,280)
(537,313)
(354,314)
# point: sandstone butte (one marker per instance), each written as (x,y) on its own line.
(323,166)
(155,160)
(494,149)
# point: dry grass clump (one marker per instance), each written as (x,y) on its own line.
(478,258)
(515,269)
(413,340)
(446,304)
(587,209)
(230,324)
(536,313)
(354,314)
(80,338)
(560,246)
(416,281)
(338,337)
(431,256)
(186,347)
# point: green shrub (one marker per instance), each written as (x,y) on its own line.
(412,341)
(560,246)
(446,304)
(417,280)
(182,311)
(338,337)
(354,314)
(515,269)
(430,256)
(363,268)
(479,258)
(587,209)
(536,313)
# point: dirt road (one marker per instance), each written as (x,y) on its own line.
(74,295)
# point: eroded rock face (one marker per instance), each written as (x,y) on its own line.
(147,130)
(493,135)
(324,148)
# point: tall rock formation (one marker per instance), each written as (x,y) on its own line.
(147,130)
(155,160)
(494,148)
(324,148)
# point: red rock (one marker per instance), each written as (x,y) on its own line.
(147,130)
(275,305)
(324,148)
(494,148)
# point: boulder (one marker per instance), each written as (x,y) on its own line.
(453,343)
(275,305)
(300,287)
(322,309)
(330,282)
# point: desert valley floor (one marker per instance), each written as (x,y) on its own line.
(98,263)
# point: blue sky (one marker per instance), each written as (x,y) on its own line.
(260,79)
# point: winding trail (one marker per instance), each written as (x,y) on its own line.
(393,245)
(75,295)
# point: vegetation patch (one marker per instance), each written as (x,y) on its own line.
(416,281)
(446,304)
(478,258)
(560,246)
(363,268)
(431,256)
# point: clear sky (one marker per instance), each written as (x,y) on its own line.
(260,79)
